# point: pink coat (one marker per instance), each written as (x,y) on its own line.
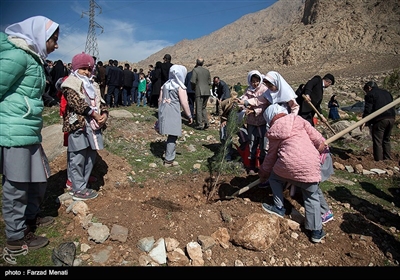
(293,150)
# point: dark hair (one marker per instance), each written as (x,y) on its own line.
(329,77)
(199,62)
(371,84)
(167,57)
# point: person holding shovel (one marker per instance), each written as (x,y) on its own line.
(381,125)
(313,91)
(294,157)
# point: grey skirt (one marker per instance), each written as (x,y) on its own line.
(24,164)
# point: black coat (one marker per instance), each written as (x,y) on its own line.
(315,90)
(165,71)
(376,99)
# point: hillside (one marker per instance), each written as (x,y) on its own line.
(299,38)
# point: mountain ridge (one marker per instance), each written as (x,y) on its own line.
(299,39)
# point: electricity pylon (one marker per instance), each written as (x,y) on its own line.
(91,40)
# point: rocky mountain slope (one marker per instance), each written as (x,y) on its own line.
(299,38)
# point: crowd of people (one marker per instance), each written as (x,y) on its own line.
(278,122)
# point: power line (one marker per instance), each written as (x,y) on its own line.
(91,40)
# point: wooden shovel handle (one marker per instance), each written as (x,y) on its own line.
(318,113)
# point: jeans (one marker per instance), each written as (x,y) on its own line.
(132,99)
(141,96)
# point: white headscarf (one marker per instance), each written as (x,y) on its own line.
(87,84)
(272,110)
(284,93)
(177,75)
(249,75)
(35,31)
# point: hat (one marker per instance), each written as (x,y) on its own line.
(167,57)
(330,77)
(82,60)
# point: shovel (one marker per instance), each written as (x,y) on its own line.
(318,113)
(329,140)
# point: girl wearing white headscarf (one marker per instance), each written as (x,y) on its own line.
(172,97)
(23,49)
(255,121)
(279,91)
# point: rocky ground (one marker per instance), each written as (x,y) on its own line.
(176,206)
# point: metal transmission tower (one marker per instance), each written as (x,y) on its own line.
(91,40)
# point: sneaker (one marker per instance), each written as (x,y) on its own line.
(274,210)
(328,216)
(30,239)
(84,194)
(317,235)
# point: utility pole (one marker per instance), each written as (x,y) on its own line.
(91,40)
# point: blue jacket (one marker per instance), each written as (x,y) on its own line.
(22,83)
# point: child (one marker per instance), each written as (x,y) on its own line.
(254,117)
(85,117)
(172,97)
(142,90)
(294,157)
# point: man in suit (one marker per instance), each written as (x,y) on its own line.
(165,68)
(201,81)
(222,90)
(314,90)
(190,92)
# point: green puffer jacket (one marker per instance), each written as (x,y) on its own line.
(22,82)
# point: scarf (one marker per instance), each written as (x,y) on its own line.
(35,31)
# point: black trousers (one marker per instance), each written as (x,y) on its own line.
(381,131)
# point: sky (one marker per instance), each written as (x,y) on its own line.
(129,30)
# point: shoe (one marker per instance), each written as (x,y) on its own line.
(274,210)
(170,163)
(199,127)
(206,126)
(84,194)
(317,235)
(40,221)
(30,239)
(328,216)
